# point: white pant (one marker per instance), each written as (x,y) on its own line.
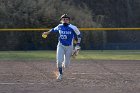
(63,55)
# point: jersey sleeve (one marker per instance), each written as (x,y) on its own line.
(78,34)
(76,30)
(56,29)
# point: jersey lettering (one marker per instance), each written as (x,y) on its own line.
(65,32)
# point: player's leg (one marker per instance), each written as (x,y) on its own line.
(60,58)
(67,56)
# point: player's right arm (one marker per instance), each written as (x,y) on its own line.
(46,33)
(51,30)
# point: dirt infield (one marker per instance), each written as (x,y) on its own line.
(82,77)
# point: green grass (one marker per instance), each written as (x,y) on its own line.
(27,55)
(110,55)
(84,55)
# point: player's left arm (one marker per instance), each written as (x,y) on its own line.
(78,35)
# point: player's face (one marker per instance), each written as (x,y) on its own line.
(65,20)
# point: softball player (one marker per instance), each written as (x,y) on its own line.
(67,33)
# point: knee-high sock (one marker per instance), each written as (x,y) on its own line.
(60,70)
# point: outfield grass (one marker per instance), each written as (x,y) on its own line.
(84,55)
(27,55)
(111,55)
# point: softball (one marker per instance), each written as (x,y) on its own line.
(44,36)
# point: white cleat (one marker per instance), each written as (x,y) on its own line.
(59,77)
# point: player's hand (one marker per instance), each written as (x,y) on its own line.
(77,47)
(45,34)
(76,50)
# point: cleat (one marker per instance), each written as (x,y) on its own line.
(59,77)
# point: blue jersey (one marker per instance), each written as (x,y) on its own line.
(66,33)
